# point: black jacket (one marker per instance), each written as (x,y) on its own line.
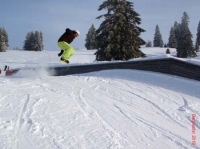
(68,36)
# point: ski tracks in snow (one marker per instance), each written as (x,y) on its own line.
(19,122)
(84,111)
(19,109)
(156,99)
(99,133)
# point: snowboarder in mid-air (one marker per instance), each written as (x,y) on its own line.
(64,41)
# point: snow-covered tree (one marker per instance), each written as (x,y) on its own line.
(198,38)
(157,42)
(196,46)
(3,46)
(33,41)
(168,51)
(91,42)
(118,35)
(176,31)
(3,40)
(185,45)
(41,41)
(149,44)
(37,41)
(26,42)
(5,36)
(172,42)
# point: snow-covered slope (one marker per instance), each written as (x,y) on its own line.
(116,109)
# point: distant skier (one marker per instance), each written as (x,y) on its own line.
(64,41)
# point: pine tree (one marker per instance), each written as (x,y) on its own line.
(168,51)
(91,42)
(196,46)
(185,45)
(41,41)
(118,35)
(34,41)
(26,42)
(172,43)
(5,36)
(3,40)
(37,46)
(158,42)
(198,38)
(176,31)
(149,44)
(29,42)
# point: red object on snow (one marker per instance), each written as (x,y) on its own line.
(0,71)
(9,72)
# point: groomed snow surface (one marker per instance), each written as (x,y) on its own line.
(113,109)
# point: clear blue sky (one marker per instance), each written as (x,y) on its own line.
(52,17)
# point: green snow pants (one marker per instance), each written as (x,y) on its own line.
(67,48)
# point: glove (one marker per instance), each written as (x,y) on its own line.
(61,52)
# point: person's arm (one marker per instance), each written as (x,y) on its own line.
(68,31)
(61,52)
